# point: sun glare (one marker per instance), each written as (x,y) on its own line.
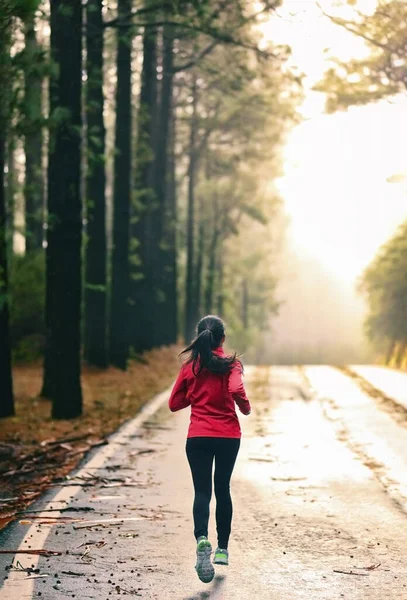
(337,167)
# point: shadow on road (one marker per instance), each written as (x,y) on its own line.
(212,594)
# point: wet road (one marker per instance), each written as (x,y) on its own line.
(320,487)
(393,383)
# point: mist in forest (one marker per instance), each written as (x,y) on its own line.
(319,320)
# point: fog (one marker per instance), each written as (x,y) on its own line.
(320,320)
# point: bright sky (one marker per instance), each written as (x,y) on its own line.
(336,166)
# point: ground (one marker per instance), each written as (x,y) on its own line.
(319,505)
(36,450)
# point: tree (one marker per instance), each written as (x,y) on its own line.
(385,287)
(164,258)
(63,257)
(192,172)
(32,127)
(8,10)
(145,230)
(119,307)
(7,403)
(383,72)
(95,338)
(170,267)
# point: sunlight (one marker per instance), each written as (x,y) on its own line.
(337,167)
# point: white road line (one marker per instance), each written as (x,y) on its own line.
(18,586)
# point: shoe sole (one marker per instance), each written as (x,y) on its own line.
(221,561)
(204,567)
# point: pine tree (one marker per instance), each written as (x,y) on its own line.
(62,370)
(120,292)
(95,338)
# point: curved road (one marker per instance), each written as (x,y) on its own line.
(319,496)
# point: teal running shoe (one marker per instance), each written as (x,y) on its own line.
(221,557)
(204,567)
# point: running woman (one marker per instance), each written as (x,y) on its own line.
(211,383)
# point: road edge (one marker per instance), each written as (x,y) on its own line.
(97,458)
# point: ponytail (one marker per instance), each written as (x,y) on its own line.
(211,332)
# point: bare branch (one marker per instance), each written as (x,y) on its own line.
(208,30)
(197,59)
(125,20)
(351,27)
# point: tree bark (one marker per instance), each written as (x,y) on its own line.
(220,287)
(7,400)
(199,272)
(95,349)
(10,190)
(65,212)
(245,304)
(171,287)
(211,273)
(145,231)
(33,144)
(119,304)
(390,352)
(189,282)
(164,218)
(400,354)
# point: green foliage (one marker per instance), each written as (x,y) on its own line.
(384,284)
(383,72)
(22,9)
(27,286)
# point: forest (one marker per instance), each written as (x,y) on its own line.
(139,143)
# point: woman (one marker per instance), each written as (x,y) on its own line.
(211,383)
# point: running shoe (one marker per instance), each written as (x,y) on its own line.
(221,557)
(204,567)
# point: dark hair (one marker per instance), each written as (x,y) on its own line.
(210,334)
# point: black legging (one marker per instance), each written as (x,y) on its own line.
(201,451)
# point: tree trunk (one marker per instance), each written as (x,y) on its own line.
(95,349)
(245,304)
(10,187)
(221,297)
(34,180)
(189,283)
(7,401)
(65,213)
(199,272)
(145,231)
(171,287)
(164,223)
(119,304)
(400,354)
(390,351)
(211,274)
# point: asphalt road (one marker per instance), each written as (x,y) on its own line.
(319,505)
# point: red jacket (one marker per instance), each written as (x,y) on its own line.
(212,399)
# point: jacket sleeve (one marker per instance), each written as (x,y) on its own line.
(237,391)
(179,398)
